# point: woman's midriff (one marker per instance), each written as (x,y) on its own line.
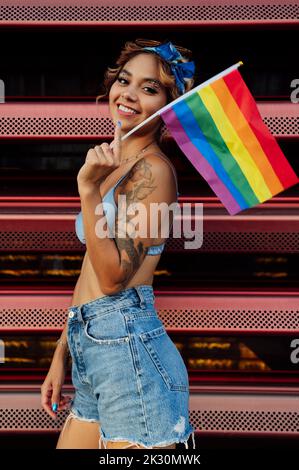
(87,287)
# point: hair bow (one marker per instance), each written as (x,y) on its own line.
(181,70)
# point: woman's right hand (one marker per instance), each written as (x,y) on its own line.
(52,385)
(100,161)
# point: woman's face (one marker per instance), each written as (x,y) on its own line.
(137,87)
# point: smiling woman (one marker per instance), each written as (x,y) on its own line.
(161,80)
(124,364)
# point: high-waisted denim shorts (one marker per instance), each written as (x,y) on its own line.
(127,373)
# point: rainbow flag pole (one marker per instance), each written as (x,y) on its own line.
(218,127)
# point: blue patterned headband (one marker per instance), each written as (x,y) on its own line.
(180,70)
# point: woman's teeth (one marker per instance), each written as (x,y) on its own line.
(126,110)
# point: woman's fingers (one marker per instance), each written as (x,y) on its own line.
(52,401)
(98,150)
(108,152)
(106,155)
(117,142)
(55,397)
(100,161)
(64,402)
(46,394)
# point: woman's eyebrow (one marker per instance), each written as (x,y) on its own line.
(148,79)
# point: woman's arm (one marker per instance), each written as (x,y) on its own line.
(62,350)
(102,252)
(115,261)
(51,389)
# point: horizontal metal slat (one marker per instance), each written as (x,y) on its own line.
(211,312)
(264,228)
(131,12)
(91,121)
(212,411)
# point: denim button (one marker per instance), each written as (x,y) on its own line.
(71,314)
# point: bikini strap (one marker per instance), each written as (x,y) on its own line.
(121,178)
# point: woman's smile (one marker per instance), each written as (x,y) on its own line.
(124,111)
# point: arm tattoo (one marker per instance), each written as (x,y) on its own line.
(142,185)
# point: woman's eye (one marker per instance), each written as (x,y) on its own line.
(152,90)
(120,78)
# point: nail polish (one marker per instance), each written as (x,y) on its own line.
(119,123)
(54,407)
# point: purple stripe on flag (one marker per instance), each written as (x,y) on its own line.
(199,162)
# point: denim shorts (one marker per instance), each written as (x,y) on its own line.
(127,373)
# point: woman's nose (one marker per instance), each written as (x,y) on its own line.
(130,94)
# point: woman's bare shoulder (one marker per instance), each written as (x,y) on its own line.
(159,156)
(162,159)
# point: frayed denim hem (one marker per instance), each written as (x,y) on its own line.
(141,445)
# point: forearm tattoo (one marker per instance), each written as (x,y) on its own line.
(142,182)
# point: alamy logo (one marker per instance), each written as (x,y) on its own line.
(2,91)
(295,93)
(295,353)
(144,225)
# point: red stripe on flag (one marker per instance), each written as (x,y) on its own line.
(247,105)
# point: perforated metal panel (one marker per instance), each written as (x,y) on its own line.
(204,421)
(230,320)
(36,241)
(95,12)
(206,313)
(39,232)
(213,242)
(55,119)
(213,411)
(27,419)
(271,422)
(34,311)
(36,318)
(231,313)
(87,120)
(222,234)
(245,410)
(255,242)
(282,126)
(59,127)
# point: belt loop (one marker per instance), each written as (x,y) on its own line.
(78,313)
(141,297)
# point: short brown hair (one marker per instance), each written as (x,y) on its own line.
(130,50)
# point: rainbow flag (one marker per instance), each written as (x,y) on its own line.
(220,130)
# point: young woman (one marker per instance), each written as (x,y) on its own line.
(131,384)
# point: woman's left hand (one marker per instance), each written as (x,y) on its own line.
(100,161)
